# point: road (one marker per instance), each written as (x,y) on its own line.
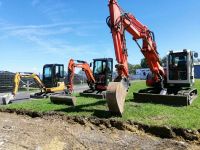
(25,96)
(80,88)
(50,133)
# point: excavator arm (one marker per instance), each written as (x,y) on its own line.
(18,77)
(71,72)
(119,22)
(38,81)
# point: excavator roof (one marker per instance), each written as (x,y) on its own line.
(96,59)
(53,65)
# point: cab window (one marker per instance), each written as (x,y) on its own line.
(99,66)
(47,72)
(59,71)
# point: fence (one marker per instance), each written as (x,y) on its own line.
(7,84)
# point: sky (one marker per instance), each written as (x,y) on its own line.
(38,32)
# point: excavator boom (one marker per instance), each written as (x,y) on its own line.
(119,22)
(71,72)
(38,81)
(18,77)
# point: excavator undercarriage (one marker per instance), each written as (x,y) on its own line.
(174,97)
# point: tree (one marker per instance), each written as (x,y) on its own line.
(137,66)
(164,61)
(132,68)
(143,63)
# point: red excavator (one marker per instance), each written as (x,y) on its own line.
(163,87)
(71,72)
(97,79)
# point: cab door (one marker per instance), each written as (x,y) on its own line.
(109,70)
(52,74)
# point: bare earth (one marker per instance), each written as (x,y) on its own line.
(23,132)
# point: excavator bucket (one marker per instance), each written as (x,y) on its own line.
(63,99)
(115,97)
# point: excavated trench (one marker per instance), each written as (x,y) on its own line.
(186,135)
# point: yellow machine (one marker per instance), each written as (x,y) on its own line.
(44,90)
(52,82)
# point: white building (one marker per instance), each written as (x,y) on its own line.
(142,73)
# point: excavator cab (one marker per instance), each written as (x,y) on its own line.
(52,74)
(102,71)
(180,68)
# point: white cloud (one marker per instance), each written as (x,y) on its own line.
(35,2)
(48,40)
(77,28)
(54,10)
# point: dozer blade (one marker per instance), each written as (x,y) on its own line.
(115,97)
(184,98)
(63,99)
(41,95)
(7,98)
(10,98)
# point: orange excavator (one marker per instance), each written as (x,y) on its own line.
(71,72)
(163,87)
(97,79)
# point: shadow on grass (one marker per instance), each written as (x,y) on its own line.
(89,108)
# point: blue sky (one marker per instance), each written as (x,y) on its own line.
(36,32)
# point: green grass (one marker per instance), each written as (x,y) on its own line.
(147,113)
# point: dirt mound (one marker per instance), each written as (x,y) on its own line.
(159,131)
(54,133)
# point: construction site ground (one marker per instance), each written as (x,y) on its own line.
(51,133)
(42,125)
(147,113)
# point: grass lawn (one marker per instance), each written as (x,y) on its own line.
(147,113)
